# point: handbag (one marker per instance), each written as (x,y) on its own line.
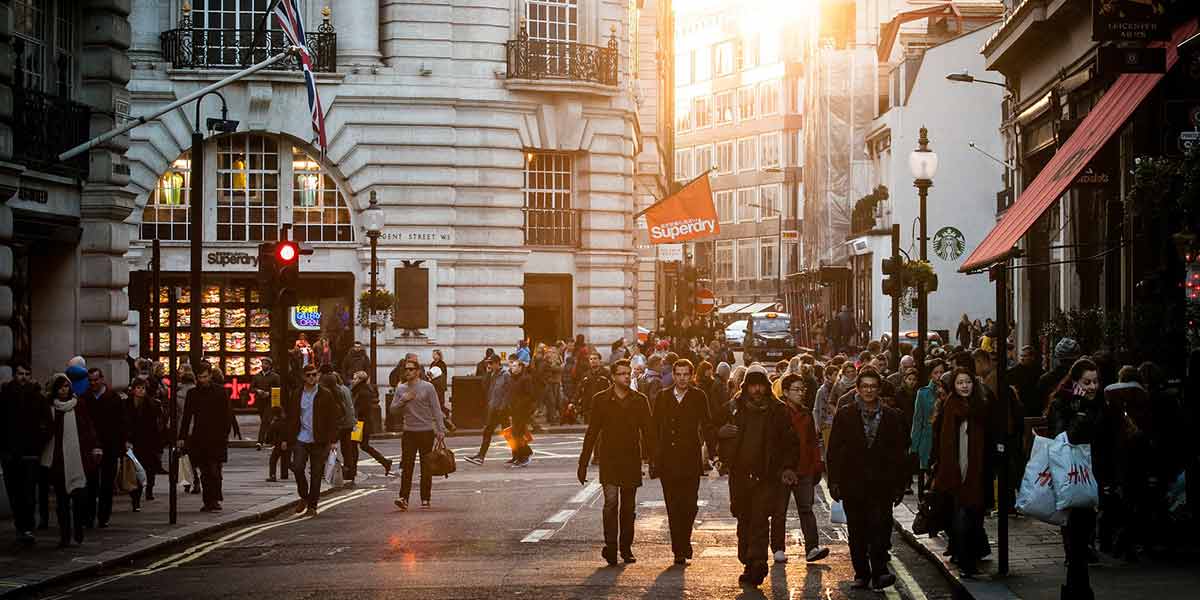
(931,515)
(184,470)
(126,480)
(440,460)
(837,513)
(333,468)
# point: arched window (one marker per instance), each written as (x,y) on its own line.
(256,185)
(166,214)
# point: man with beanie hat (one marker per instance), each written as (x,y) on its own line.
(764,454)
(1066,351)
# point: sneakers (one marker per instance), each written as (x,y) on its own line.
(610,555)
(475,460)
(310,513)
(271,480)
(426,504)
(628,557)
(402,504)
(780,556)
(882,582)
(522,463)
(816,554)
(681,561)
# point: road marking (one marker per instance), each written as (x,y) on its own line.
(909,582)
(537,535)
(562,516)
(584,495)
(560,519)
(663,503)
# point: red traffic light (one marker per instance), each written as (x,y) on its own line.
(286,251)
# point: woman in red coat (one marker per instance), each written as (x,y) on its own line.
(72,456)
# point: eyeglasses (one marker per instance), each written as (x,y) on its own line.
(868,386)
(311,374)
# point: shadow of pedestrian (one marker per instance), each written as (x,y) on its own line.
(814,574)
(604,578)
(751,593)
(669,583)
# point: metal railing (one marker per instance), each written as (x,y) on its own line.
(44,126)
(190,47)
(541,59)
(552,227)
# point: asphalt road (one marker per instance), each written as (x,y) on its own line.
(528,532)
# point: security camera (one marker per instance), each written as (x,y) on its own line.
(222,125)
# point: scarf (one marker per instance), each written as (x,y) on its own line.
(73,473)
(870,420)
(948,476)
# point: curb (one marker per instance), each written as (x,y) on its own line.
(460,432)
(76,568)
(975,589)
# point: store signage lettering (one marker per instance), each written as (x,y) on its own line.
(1129,20)
(417,236)
(224,259)
(306,317)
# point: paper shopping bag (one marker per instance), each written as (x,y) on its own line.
(357,434)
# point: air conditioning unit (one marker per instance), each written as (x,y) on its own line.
(860,246)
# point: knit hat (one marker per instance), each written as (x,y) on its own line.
(1067,350)
(723,370)
(756,374)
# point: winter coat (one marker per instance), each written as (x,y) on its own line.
(356,360)
(921,427)
(146,428)
(680,430)
(205,423)
(593,382)
(975,489)
(498,388)
(108,419)
(26,420)
(628,433)
(347,418)
(866,473)
(1083,421)
(327,414)
(808,441)
(366,403)
(779,450)
(261,386)
(651,383)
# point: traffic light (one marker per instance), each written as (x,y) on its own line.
(287,271)
(893,285)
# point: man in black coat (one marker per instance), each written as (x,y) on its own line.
(26,428)
(312,414)
(356,360)
(764,454)
(622,416)
(107,410)
(866,465)
(595,380)
(682,425)
(260,386)
(203,433)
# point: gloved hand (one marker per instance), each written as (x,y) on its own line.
(582,474)
(727,431)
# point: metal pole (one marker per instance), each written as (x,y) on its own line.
(374,235)
(896,302)
(173,452)
(196,216)
(155,307)
(922,294)
(1003,395)
(104,137)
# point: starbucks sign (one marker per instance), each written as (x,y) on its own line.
(949,243)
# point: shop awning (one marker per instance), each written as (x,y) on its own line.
(731,309)
(1105,119)
(757,308)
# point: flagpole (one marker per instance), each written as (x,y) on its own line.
(258,31)
(694,180)
(143,119)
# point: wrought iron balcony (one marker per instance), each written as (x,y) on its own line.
(552,227)
(190,47)
(44,126)
(567,61)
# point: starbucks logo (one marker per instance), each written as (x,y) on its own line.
(949,243)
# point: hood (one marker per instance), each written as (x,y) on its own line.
(756,374)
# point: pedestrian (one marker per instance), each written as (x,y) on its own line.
(825,404)
(682,425)
(203,433)
(276,437)
(963,332)
(522,405)
(481,368)
(72,455)
(347,419)
(866,465)
(960,474)
(595,379)
(366,410)
(764,456)
(497,385)
(356,360)
(265,380)
(552,371)
(107,412)
(622,417)
(314,414)
(522,352)
(921,428)
(809,467)
(651,382)
(843,390)
(26,428)
(438,365)
(417,401)
(906,362)
(145,435)
(1077,410)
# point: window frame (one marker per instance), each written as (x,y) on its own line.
(751,245)
(762,149)
(765,90)
(730,96)
(726,214)
(763,244)
(725,246)
(558,199)
(698,163)
(730,145)
(724,68)
(746,98)
(752,154)
(683,156)
(776,206)
(750,197)
(702,113)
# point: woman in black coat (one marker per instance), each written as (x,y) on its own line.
(145,434)
(366,408)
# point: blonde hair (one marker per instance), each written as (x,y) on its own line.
(736,377)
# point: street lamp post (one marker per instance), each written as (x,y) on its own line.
(373,220)
(923,163)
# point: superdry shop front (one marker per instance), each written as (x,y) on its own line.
(235,319)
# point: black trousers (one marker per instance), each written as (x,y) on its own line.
(413,443)
(1077,536)
(302,454)
(680,496)
(349,456)
(72,511)
(210,474)
(365,446)
(756,503)
(281,459)
(803,492)
(100,488)
(619,506)
(20,480)
(967,537)
(869,527)
(495,418)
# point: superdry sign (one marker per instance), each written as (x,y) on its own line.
(685,215)
(232,259)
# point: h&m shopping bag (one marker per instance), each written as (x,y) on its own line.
(837,513)
(1071,473)
(1037,497)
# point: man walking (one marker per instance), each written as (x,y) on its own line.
(622,417)
(417,401)
(27,426)
(866,462)
(764,455)
(205,425)
(681,425)
(497,385)
(312,415)
(595,380)
(261,386)
(356,360)
(107,411)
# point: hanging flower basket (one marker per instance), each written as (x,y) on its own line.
(916,272)
(379,304)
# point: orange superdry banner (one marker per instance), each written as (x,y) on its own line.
(686,215)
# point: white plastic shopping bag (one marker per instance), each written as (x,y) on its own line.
(1037,498)
(837,513)
(333,468)
(138,468)
(1071,471)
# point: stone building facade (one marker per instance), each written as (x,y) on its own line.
(500,136)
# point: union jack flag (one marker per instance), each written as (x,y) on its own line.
(287,12)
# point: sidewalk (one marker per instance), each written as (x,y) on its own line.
(248,498)
(1037,569)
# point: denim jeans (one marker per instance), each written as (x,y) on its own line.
(803,492)
(309,490)
(619,505)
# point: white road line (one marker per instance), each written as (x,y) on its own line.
(584,495)
(537,535)
(562,516)
(910,583)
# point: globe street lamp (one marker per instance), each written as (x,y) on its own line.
(373,220)
(923,163)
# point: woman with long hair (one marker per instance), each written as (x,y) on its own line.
(958,460)
(145,433)
(72,455)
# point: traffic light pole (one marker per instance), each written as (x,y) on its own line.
(895,350)
(196,222)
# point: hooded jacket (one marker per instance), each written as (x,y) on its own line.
(780,446)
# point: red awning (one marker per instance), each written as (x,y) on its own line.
(1105,119)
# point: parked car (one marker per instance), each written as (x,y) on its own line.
(735,333)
